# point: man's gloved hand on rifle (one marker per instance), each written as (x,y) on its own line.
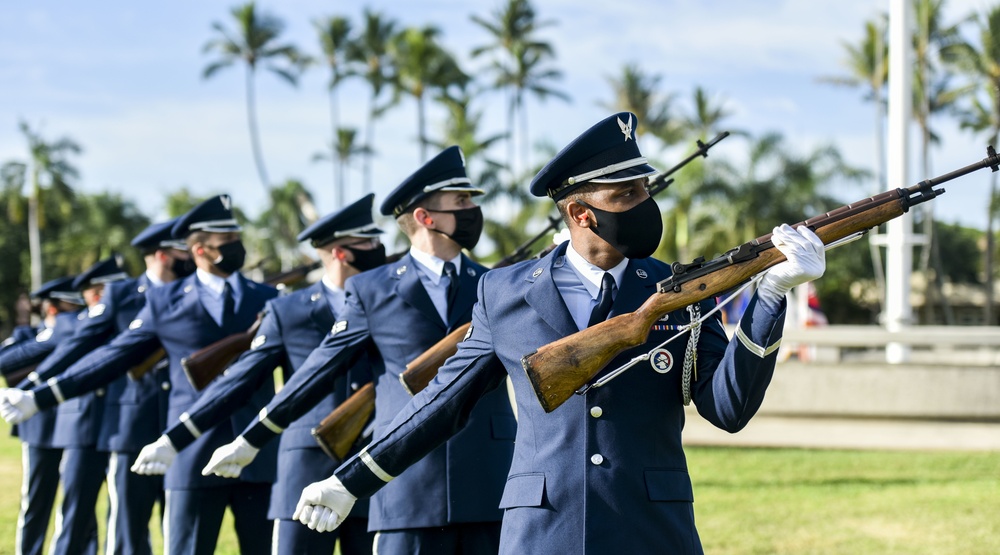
(17,405)
(230,459)
(324,505)
(806,261)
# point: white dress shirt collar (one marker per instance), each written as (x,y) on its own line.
(592,275)
(434,266)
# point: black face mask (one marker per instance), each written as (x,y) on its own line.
(468,226)
(182,267)
(232,255)
(635,232)
(365,260)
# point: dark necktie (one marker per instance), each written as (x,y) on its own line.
(604,300)
(228,305)
(452,275)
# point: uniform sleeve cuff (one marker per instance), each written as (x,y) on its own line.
(259,434)
(45,398)
(362,476)
(180,436)
(760,328)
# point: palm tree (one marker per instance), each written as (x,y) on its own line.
(868,66)
(334,36)
(49,171)
(639,93)
(462,128)
(342,152)
(421,64)
(518,65)
(282,222)
(982,66)
(701,123)
(370,51)
(933,94)
(253,44)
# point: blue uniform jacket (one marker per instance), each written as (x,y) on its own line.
(175,319)
(605,472)
(388,307)
(131,408)
(293,326)
(39,431)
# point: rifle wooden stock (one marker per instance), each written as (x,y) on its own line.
(205,364)
(337,432)
(422,369)
(557,370)
(143,368)
(18,375)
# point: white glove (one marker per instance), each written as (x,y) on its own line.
(228,461)
(155,458)
(17,405)
(806,261)
(324,505)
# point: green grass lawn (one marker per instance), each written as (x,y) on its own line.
(849,502)
(780,501)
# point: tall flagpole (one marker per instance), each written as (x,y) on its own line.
(899,251)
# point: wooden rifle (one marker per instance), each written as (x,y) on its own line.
(566,366)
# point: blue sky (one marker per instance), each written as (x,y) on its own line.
(124,80)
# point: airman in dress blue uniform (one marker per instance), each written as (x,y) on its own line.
(182,317)
(132,408)
(60,308)
(448,501)
(347,243)
(605,472)
(78,422)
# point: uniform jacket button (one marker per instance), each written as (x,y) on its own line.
(597,459)
(99,392)
(165,386)
(596,412)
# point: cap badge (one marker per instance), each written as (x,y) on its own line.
(226,202)
(626,129)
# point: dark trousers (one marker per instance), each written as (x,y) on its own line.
(291,536)
(40,480)
(194,517)
(477,538)
(130,506)
(82,473)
